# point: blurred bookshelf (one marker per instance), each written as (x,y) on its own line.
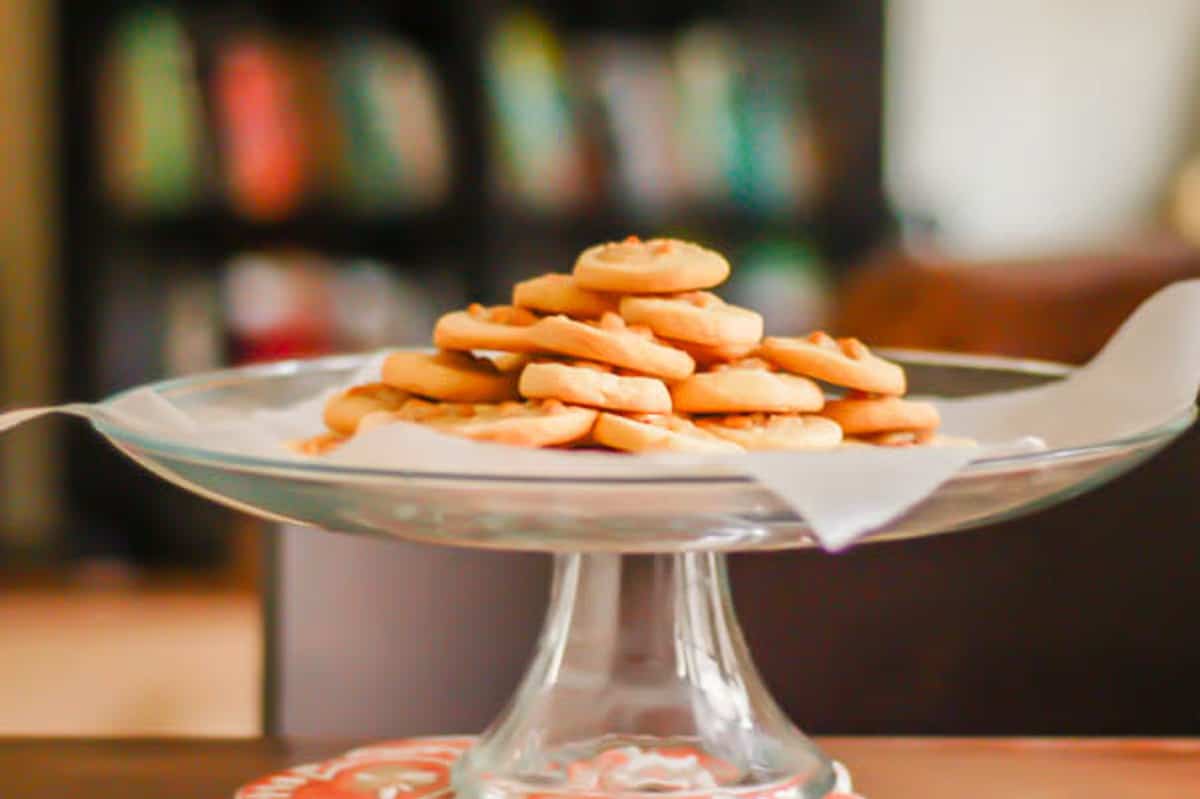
(248,181)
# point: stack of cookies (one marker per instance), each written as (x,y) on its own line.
(631,352)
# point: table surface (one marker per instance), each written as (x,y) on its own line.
(883,768)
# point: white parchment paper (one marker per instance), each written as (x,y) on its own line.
(1148,373)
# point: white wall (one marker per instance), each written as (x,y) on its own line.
(1028,126)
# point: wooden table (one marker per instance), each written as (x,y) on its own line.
(884,768)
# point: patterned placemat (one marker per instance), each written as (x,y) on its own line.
(419,768)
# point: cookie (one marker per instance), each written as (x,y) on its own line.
(559,294)
(451,376)
(859,415)
(501,327)
(610,341)
(775,431)
(744,387)
(344,410)
(594,386)
(843,362)
(649,433)
(698,317)
(657,266)
(709,355)
(319,444)
(538,423)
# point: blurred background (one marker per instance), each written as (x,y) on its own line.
(188,185)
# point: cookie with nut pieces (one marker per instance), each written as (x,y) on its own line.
(450,376)
(657,433)
(845,362)
(560,294)
(869,415)
(746,386)
(345,409)
(594,386)
(657,266)
(500,327)
(770,431)
(697,317)
(536,423)
(611,341)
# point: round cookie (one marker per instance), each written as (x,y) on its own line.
(451,376)
(538,423)
(559,294)
(843,362)
(344,410)
(651,433)
(611,341)
(745,387)
(657,266)
(698,317)
(859,415)
(501,327)
(760,431)
(595,387)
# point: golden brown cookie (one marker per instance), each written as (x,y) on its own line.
(867,415)
(537,423)
(344,410)
(657,266)
(450,376)
(559,294)
(698,317)
(775,431)
(657,433)
(843,362)
(594,385)
(500,327)
(610,341)
(745,387)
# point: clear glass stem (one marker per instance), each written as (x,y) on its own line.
(642,684)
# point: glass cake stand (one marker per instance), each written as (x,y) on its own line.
(641,683)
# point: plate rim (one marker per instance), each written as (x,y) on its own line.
(296,468)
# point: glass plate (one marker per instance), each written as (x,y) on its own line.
(549,513)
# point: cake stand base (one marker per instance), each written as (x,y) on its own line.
(416,768)
(642,685)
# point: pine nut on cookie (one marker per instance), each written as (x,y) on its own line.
(657,266)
